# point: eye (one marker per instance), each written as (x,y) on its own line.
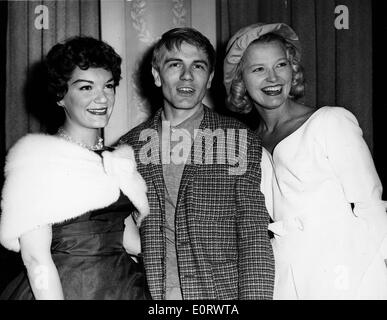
(282,64)
(86,88)
(199,66)
(174,65)
(110,86)
(258,69)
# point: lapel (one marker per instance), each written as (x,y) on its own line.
(155,168)
(190,169)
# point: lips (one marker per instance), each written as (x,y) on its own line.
(98,111)
(186,91)
(272,90)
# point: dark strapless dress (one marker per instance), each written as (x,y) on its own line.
(90,258)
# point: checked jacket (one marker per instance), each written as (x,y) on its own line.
(222,242)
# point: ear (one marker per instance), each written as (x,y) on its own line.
(61,103)
(156,77)
(210,80)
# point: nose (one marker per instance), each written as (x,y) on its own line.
(272,75)
(186,74)
(100,97)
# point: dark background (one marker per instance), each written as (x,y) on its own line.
(379,24)
(10,263)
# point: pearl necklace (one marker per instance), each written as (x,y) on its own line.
(63,134)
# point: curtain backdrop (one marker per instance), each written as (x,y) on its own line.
(24,106)
(379,24)
(27,108)
(3,35)
(338,62)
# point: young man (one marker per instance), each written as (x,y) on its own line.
(206,236)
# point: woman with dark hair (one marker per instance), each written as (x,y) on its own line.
(70,205)
(320,183)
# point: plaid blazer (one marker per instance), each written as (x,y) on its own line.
(223,246)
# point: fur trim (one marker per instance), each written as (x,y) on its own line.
(50,180)
(121,165)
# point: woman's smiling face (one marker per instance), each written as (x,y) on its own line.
(267,74)
(89,99)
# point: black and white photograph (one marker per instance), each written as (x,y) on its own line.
(197,150)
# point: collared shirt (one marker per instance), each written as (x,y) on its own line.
(175,148)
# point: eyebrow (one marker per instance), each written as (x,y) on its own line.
(180,60)
(88,81)
(201,61)
(263,63)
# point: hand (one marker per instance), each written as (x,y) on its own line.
(131,240)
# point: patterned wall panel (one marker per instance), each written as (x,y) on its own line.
(145,21)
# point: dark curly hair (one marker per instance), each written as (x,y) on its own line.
(239,100)
(83,52)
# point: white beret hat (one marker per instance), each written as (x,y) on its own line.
(239,42)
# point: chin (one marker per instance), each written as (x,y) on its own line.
(99,124)
(275,103)
(187,106)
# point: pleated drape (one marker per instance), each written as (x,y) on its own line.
(24,106)
(27,107)
(3,36)
(338,62)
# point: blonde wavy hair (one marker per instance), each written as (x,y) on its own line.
(239,100)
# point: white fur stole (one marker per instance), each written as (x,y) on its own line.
(50,180)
